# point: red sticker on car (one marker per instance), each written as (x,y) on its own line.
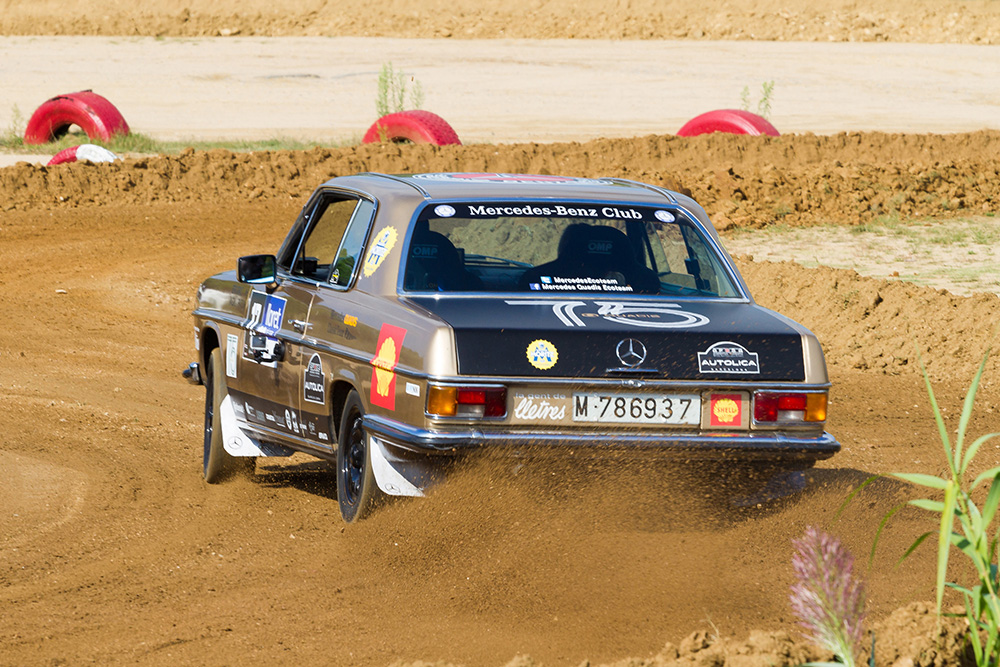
(390,344)
(726,410)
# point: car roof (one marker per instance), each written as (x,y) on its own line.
(499,186)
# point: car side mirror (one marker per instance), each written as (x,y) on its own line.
(257,269)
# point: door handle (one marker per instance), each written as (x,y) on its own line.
(300,325)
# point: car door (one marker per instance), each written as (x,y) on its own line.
(285,367)
(266,386)
(331,328)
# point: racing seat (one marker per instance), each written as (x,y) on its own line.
(594,251)
(434,263)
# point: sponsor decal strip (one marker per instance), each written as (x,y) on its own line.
(637,314)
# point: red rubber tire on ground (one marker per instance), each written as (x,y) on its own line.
(420,127)
(82,152)
(730,121)
(95,115)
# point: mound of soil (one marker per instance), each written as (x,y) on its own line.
(741,181)
(951,21)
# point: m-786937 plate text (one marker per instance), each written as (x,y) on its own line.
(615,408)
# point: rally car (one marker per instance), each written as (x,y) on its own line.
(408,321)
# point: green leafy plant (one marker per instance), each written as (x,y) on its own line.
(962,525)
(13,137)
(394,90)
(763,104)
(826,597)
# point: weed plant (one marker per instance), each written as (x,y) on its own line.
(763,104)
(394,91)
(827,599)
(963,525)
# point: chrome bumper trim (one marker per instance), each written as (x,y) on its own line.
(763,444)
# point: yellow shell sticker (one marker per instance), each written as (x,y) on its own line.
(542,354)
(384,362)
(726,410)
(380,248)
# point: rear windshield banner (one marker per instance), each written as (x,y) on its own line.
(580,210)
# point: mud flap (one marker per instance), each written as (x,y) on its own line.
(237,442)
(395,476)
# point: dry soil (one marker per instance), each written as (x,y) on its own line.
(113,551)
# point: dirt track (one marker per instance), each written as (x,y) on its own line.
(112,550)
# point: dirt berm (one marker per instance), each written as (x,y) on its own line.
(929,21)
(741,181)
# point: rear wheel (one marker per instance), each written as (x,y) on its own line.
(357,491)
(218,465)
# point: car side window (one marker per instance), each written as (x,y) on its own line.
(352,245)
(318,251)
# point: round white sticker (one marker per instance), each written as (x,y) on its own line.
(664,216)
(444,211)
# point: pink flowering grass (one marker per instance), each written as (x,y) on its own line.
(827,599)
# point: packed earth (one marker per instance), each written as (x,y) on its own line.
(114,551)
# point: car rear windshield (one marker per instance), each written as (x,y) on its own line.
(560,248)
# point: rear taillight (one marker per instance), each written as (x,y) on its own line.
(788,407)
(470,402)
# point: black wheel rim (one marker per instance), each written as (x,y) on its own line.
(209,414)
(355,460)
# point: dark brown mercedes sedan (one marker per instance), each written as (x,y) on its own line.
(408,321)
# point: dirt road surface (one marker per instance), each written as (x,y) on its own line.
(113,551)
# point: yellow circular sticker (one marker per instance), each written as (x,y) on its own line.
(383,243)
(542,354)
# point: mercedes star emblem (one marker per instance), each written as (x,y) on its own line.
(631,352)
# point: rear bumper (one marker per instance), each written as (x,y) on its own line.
(761,445)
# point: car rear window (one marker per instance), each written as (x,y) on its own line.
(562,248)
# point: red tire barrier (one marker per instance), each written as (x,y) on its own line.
(420,127)
(731,121)
(88,152)
(94,114)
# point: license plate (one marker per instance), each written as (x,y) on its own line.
(677,409)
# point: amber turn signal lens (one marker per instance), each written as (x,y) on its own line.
(816,407)
(442,401)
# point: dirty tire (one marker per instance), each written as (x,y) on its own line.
(357,491)
(218,465)
(420,127)
(83,152)
(95,115)
(729,121)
